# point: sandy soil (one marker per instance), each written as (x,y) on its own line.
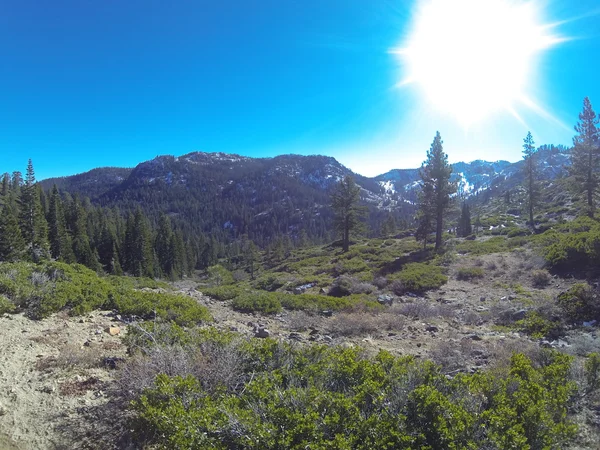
(42,397)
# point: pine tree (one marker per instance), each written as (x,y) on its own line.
(81,242)
(586,155)
(60,241)
(388,227)
(164,246)
(464,228)
(12,245)
(425,214)
(436,189)
(34,227)
(347,212)
(531,185)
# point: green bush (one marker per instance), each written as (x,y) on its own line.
(6,306)
(580,303)
(538,326)
(172,307)
(222,293)
(219,275)
(469,273)
(495,244)
(334,398)
(420,277)
(263,302)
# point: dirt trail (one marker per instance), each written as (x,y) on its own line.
(36,411)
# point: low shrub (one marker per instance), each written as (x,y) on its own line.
(222,293)
(263,302)
(294,397)
(419,278)
(6,306)
(345,285)
(538,326)
(495,244)
(469,273)
(540,278)
(580,303)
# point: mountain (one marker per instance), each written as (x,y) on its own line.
(227,195)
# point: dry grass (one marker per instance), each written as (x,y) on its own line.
(423,309)
(302,321)
(77,388)
(71,357)
(360,324)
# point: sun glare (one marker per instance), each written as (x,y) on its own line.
(472,58)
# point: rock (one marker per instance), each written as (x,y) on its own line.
(504,298)
(322,291)
(519,315)
(302,289)
(113,331)
(545,344)
(385,299)
(432,329)
(392,334)
(111,362)
(482,299)
(295,337)
(234,329)
(47,389)
(481,309)
(252,325)
(262,333)
(3,411)
(313,331)
(327,313)
(473,337)
(512,297)
(327,338)
(591,323)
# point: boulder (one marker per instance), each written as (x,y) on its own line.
(113,331)
(262,333)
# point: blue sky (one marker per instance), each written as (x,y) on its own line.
(88,83)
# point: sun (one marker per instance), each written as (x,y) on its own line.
(472,58)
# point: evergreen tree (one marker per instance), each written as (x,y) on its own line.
(464,227)
(586,155)
(164,246)
(60,241)
(436,189)
(81,242)
(34,227)
(347,212)
(425,214)
(388,227)
(12,245)
(531,184)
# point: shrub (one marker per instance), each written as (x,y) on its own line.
(592,372)
(6,306)
(576,250)
(495,244)
(538,326)
(219,275)
(263,302)
(323,397)
(222,293)
(180,309)
(420,277)
(580,303)
(344,285)
(469,273)
(540,278)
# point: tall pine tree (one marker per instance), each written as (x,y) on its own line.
(436,188)
(60,242)
(32,221)
(586,155)
(531,184)
(347,212)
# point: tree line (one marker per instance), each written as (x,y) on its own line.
(37,225)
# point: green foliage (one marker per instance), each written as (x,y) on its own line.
(6,306)
(263,302)
(219,275)
(420,277)
(334,398)
(222,293)
(592,371)
(579,248)
(180,309)
(495,244)
(469,273)
(580,303)
(538,326)
(48,287)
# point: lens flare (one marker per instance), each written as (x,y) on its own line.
(472,58)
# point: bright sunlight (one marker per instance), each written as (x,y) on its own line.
(472,58)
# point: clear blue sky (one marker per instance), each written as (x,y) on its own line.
(88,83)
